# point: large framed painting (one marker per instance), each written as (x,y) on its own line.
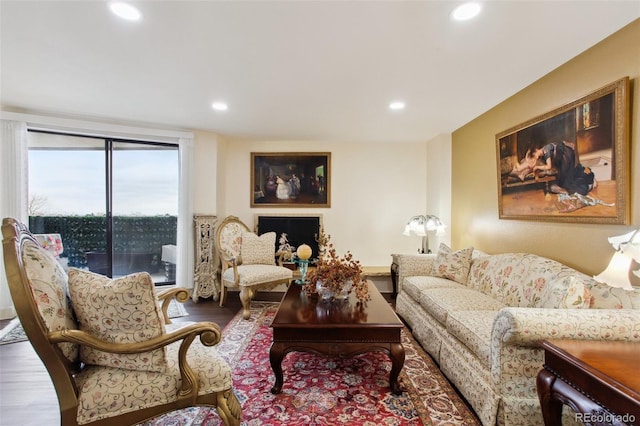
(570,164)
(301,179)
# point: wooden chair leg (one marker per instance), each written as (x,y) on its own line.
(229,408)
(223,294)
(246,294)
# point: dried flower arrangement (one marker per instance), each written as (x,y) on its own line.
(334,271)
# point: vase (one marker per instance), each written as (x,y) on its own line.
(327,293)
(345,290)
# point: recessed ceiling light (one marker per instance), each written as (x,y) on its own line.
(397,105)
(466,11)
(219,106)
(125,11)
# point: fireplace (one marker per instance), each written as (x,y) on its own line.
(300,229)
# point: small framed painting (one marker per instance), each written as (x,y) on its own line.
(301,179)
(571,164)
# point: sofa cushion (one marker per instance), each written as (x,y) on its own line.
(567,293)
(414,286)
(440,301)
(121,310)
(473,329)
(452,265)
(256,274)
(258,250)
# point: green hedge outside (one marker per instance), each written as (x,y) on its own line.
(131,234)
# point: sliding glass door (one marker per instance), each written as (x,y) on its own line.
(145,208)
(114,202)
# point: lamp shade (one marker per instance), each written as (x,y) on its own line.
(421,224)
(622,240)
(169,253)
(616,274)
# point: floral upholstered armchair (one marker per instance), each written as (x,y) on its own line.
(247,261)
(113,355)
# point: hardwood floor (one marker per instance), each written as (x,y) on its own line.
(27,396)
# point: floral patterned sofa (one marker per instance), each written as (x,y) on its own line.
(481,317)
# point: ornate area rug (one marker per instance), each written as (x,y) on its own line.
(13,331)
(322,391)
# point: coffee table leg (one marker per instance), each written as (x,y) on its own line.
(276,354)
(397,362)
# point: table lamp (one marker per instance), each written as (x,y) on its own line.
(169,257)
(616,274)
(421,225)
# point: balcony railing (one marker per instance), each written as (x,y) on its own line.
(137,240)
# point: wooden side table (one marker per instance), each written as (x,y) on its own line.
(599,380)
(394,274)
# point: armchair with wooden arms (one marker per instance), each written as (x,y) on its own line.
(100,381)
(247,262)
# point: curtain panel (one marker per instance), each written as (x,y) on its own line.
(185,232)
(14,191)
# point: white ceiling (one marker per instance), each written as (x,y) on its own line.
(295,70)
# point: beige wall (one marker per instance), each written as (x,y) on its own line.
(474,180)
(375,188)
(205,173)
(439,185)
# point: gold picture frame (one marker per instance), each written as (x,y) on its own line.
(283,179)
(570,164)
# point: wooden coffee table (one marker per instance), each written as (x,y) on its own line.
(599,380)
(340,329)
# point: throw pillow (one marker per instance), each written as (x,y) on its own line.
(258,250)
(606,297)
(48,283)
(121,310)
(452,265)
(569,293)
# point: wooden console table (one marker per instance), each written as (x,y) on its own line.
(599,380)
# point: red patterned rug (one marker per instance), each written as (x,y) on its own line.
(322,391)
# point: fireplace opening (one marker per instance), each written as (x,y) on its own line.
(299,229)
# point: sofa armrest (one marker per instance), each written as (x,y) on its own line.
(516,355)
(165,297)
(410,265)
(529,326)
